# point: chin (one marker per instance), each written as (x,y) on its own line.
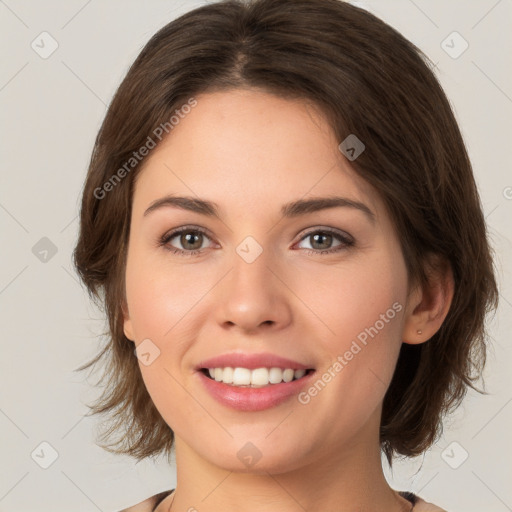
(257,458)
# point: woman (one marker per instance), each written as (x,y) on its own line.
(282,222)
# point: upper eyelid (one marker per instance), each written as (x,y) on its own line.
(186,229)
(334,231)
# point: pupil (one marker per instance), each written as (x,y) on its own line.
(186,239)
(325,236)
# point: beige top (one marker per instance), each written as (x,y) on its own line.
(425,506)
(151,505)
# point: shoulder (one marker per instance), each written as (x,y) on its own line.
(149,504)
(420,505)
(424,506)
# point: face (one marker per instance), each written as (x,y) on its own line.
(262,280)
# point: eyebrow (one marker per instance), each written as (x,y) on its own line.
(289,210)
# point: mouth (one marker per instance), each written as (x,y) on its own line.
(253,381)
(240,377)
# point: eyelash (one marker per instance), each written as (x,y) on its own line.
(345,240)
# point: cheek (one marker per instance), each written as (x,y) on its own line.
(165,307)
(151,309)
(351,299)
(159,299)
(363,306)
(160,296)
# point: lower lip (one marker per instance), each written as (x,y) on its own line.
(254,399)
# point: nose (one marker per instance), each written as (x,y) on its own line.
(254,296)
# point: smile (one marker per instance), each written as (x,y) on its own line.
(254,378)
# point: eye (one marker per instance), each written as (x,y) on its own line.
(190,240)
(321,241)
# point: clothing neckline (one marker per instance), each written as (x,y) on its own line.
(409,496)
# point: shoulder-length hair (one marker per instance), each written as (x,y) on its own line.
(368,80)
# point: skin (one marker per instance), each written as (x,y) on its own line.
(251,152)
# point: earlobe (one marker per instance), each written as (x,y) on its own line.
(127,323)
(128,331)
(429,304)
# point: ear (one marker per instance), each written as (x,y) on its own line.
(428,305)
(127,323)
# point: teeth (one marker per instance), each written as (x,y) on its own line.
(227,375)
(258,377)
(298,374)
(241,376)
(275,375)
(288,375)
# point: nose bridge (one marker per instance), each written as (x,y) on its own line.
(252,295)
(251,268)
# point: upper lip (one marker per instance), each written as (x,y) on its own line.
(251,361)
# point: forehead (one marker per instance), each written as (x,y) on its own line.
(250,149)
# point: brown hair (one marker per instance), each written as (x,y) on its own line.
(369,81)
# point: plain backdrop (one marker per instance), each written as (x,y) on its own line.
(52,106)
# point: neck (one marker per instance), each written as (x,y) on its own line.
(342,480)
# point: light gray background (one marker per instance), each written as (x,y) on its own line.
(52,109)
